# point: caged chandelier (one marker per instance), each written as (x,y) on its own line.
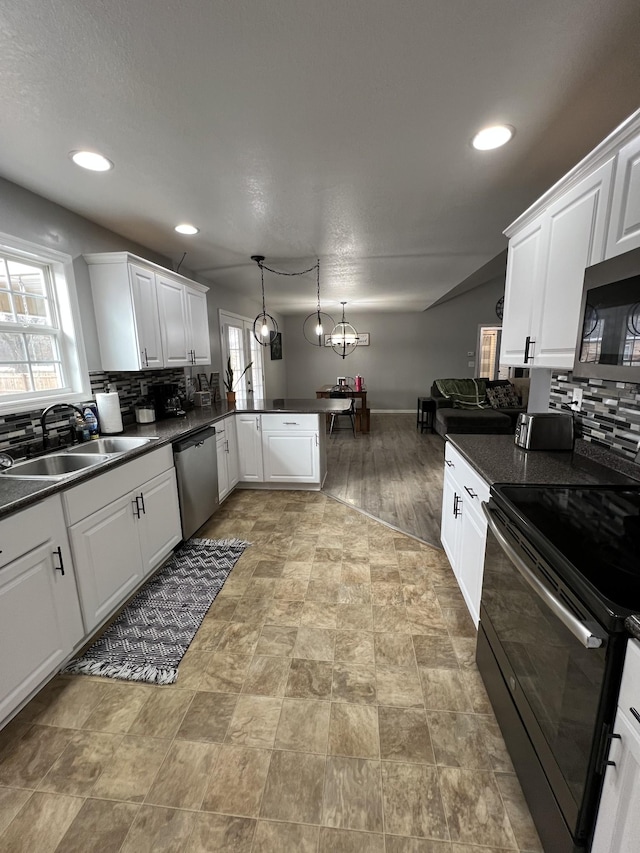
(265,326)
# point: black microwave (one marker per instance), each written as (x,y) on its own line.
(608,344)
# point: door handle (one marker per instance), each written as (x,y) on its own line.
(470,492)
(136,508)
(59,568)
(456,505)
(258,423)
(227,445)
(579,630)
(527,346)
(317,442)
(142,503)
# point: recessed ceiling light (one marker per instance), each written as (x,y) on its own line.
(185,228)
(492,137)
(91,160)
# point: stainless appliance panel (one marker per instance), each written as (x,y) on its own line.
(196,462)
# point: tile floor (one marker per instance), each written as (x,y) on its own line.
(328,704)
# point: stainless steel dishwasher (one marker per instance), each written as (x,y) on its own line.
(196,464)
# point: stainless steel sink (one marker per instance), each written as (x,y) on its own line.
(112,445)
(56,466)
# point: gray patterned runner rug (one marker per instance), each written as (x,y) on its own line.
(149,638)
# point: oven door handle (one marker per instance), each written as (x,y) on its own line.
(577,628)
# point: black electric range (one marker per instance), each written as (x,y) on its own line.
(591,534)
(561,574)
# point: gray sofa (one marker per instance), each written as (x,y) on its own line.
(449,418)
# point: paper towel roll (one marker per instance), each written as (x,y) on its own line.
(109,412)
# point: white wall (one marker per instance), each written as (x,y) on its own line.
(407,351)
(29,216)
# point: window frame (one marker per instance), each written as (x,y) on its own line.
(65,307)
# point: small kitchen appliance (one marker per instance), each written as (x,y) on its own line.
(544,431)
(168,403)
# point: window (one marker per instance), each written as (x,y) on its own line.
(239,343)
(41,353)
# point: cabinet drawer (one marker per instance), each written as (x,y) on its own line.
(289,422)
(29,528)
(471,484)
(96,493)
(630,686)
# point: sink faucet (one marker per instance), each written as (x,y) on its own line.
(43,421)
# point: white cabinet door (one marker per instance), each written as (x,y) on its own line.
(146,318)
(223,468)
(522,289)
(199,345)
(173,322)
(618,824)
(624,224)
(250,468)
(451,523)
(576,238)
(40,620)
(291,456)
(471,557)
(106,552)
(232,451)
(159,522)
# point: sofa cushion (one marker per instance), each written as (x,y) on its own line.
(464,393)
(472,421)
(503,397)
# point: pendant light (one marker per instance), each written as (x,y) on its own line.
(265,327)
(344,337)
(314,326)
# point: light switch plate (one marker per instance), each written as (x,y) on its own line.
(576,399)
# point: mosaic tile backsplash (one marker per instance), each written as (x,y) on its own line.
(22,430)
(610,412)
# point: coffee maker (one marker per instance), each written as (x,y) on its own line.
(167,401)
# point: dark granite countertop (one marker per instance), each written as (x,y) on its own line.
(16,494)
(497,459)
(632,624)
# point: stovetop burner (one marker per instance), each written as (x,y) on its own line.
(594,529)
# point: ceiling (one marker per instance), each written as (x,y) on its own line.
(297,130)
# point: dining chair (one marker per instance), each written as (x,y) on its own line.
(340,392)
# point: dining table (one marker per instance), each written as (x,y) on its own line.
(363,413)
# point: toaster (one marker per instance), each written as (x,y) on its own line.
(545,431)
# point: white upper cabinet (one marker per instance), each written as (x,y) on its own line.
(523,274)
(146,316)
(173,321)
(576,236)
(624,227)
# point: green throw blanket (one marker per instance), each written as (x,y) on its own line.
(464,393)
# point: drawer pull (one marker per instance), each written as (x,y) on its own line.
(449,463)
(291,423)
(470,492)
(59,568)
(635,714)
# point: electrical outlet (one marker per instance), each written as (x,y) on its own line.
(144,387)
(471,353)
(576,399)
(471,364)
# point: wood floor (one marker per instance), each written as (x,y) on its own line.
(393,473)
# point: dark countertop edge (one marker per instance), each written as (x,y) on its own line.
(17,494)
(497,460)
(632,624)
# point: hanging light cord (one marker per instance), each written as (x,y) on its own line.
(318,284)
(316,266)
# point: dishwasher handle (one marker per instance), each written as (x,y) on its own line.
(194,439)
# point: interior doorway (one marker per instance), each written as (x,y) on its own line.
(488,359)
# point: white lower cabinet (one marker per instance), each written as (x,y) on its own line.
(618,822)
(463,529)
(40,619)
(227,454)
(117,542)
(249,448)
(280,449)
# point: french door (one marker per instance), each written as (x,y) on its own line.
(240,345)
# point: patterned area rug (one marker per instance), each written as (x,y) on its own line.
(149,638)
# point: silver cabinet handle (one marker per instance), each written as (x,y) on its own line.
(258,423)
(579,631)
(60,568)
(456,505)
